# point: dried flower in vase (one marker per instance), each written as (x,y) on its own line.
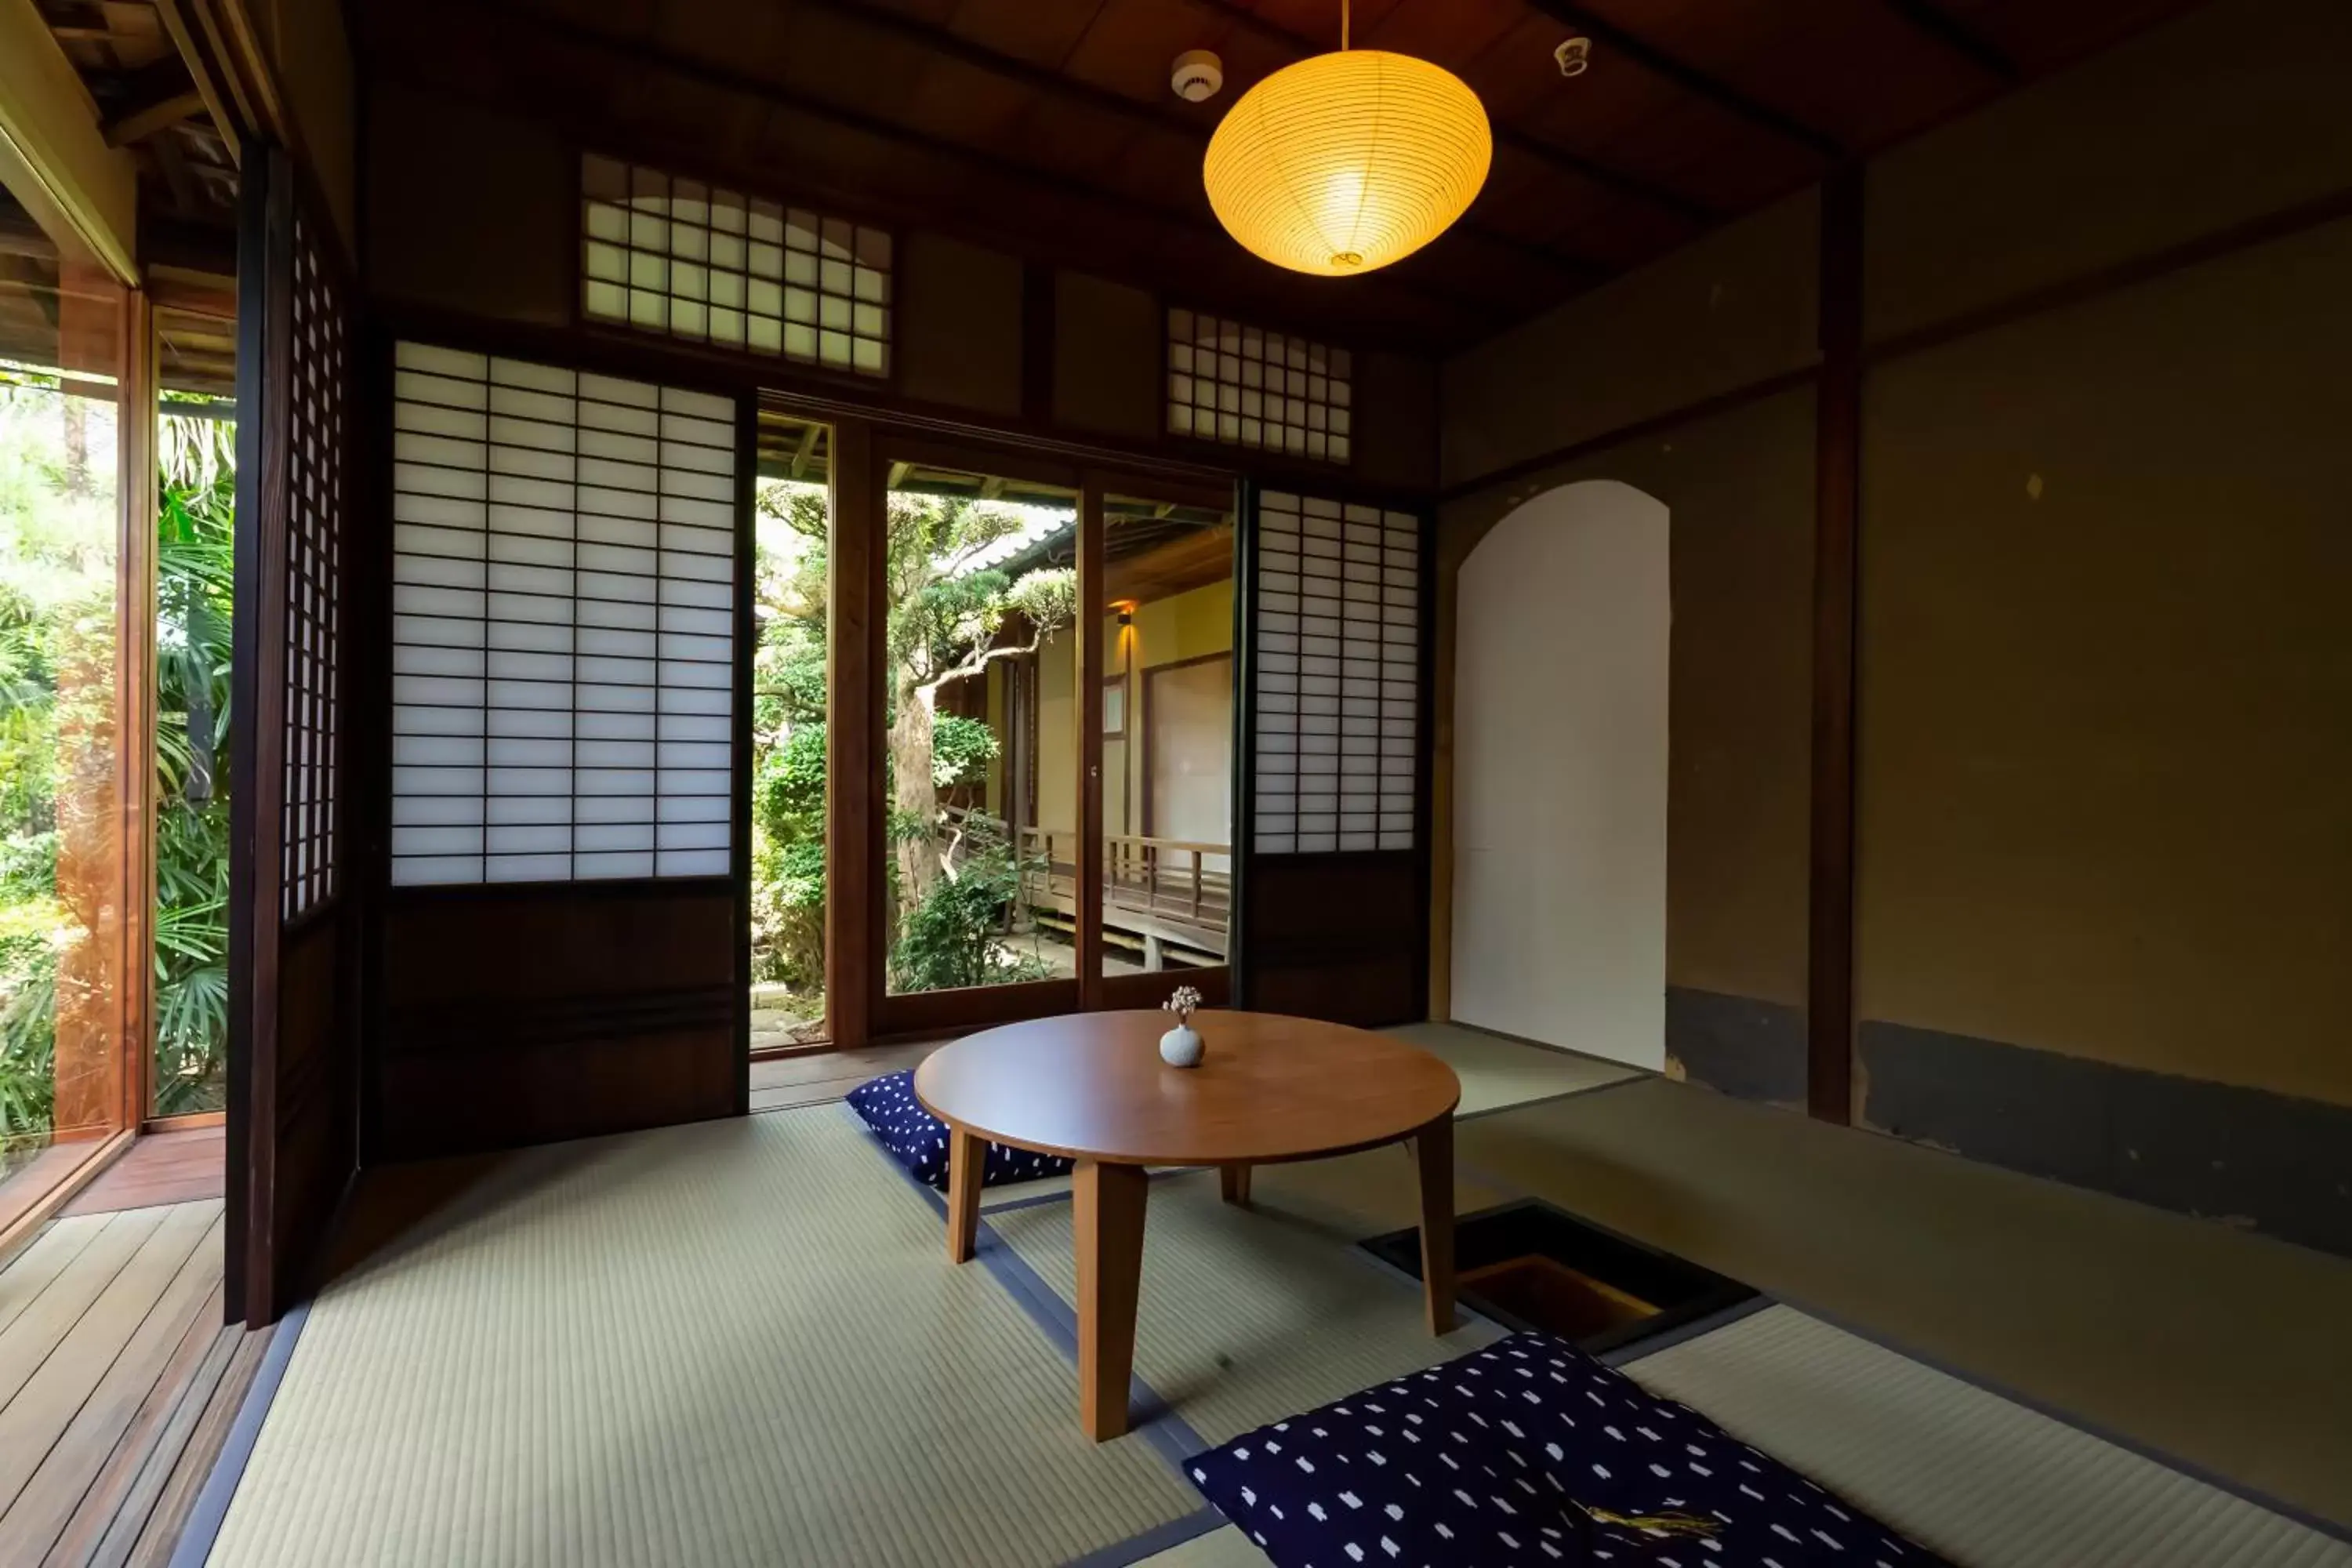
(1181,1047)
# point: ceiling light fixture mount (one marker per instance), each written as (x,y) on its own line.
(1345,162)
(1575,56)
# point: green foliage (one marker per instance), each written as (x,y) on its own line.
(195,568)
(962,749)
(942,620)
(28,1037)
(57,586)
(788,859)
(953,938)
(788,741)
(941,611)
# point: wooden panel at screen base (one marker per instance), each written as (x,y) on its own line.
(1341,937)
(312,1111)
(530,1015)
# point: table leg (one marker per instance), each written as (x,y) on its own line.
(1233,1182)
(1433,1150)
(1107,1214)
(966,1159)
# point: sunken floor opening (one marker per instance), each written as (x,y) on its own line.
(1532,1265)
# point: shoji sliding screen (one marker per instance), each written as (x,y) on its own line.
(566,935)
(295,923)
(1339,675)
(1335,917)
(563,624)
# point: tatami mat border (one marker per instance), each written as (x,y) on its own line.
(204,1520)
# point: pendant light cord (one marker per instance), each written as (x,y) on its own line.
(1343,25)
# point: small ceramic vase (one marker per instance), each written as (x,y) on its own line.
(1181,1047)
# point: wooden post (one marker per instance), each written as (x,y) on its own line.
(135,699)
(265,394)
(857,931)
(1829,1079)
(1089,861)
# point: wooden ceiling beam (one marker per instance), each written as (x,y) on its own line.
(82,193)
(1170,121)
(199,62)
(1609,36)
(1479,312)
(1931,19)
(1666,199)
(137,123)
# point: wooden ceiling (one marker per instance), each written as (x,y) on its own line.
(146,99)
(1048,126)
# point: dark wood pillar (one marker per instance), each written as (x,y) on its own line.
(1092,661)
(1837,487)
(856,935)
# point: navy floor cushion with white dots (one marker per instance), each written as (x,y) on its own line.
(919,1140)
(1528,1451)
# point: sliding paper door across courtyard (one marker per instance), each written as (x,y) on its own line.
(566,932)
(1337,886)
(563,624)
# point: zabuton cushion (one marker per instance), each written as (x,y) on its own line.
(919,1140)
(1530,1452)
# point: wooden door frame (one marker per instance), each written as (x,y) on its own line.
(258,739)
(859,1007)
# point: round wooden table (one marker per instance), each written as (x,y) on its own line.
(1268,1089)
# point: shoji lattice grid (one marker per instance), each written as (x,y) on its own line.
(314,510)
(694,260)
(1339,661)
(563,625)
(1236,384)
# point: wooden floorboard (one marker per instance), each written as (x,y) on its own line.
(31,1182)
(126,1487)
(161,1168)
(828,1075)
(50,1407)
(159,1534)
(48,1317)
(119,1381)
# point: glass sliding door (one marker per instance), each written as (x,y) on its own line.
(980,740)
(73,603)
(1166,848)
(790,684)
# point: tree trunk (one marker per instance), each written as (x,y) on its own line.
(914,795)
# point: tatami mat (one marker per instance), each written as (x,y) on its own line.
(732,1343)
(1974,1477)
(2225,1351)
(1249,1315)
(1225,1547)
(1358,1196)
(1496,1072)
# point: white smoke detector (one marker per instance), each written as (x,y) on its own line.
(1198,76)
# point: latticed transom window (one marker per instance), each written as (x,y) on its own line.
(693,260)
(1248,388)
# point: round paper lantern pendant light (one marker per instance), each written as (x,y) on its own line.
(1344,163)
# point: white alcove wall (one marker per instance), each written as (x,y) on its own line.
(1559,775)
